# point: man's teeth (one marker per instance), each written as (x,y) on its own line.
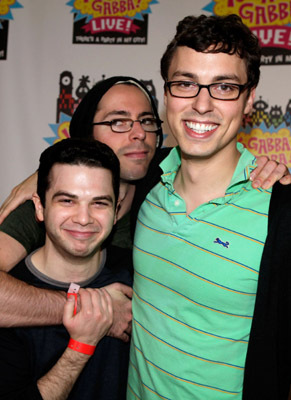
(200,128)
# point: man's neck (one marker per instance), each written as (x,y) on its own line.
(199,181)
(64,268)
(126,195)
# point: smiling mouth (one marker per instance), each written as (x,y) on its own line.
(81,234)
(200,128)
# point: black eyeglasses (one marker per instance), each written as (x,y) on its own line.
(218,91)
(123,125)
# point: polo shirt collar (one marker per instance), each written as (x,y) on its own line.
(171,164)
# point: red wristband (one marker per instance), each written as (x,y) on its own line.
(81,347)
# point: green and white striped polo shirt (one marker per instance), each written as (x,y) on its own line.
(195,287)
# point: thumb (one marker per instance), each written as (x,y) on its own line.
(124,337)
(69,309)
(286,180)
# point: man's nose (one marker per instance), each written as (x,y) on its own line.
(82,215)
(203,103)
(137,131)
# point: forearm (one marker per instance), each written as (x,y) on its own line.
(25,305)
(59,381)
(87,326)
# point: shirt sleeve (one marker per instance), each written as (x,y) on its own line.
(23,227)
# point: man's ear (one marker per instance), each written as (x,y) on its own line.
(38,207)
(250,101)
(116,211)
(165,98)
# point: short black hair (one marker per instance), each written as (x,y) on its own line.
(215,34)
(90,153)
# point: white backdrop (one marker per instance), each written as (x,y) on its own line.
(40,48)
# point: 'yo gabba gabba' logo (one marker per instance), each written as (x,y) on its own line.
(270,21)
(6,7)
(267,132)
(111,21)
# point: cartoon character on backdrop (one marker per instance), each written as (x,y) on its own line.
(65,101)
(287,115)
(272,118)
(276,116)
(259,114)
(83,88)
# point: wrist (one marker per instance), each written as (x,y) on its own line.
(81,347)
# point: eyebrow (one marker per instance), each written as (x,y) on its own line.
(127,114)
(217,78)
(74,197)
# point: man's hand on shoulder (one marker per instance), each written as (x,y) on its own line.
(18,195)
(122,315)
(268,172)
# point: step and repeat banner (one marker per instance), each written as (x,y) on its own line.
(52,52)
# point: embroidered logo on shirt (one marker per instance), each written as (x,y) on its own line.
(224,244)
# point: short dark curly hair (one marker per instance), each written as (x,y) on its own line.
(215,34)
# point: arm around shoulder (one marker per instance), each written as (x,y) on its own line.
(25,305)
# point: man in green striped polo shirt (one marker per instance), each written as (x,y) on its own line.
(201,231)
